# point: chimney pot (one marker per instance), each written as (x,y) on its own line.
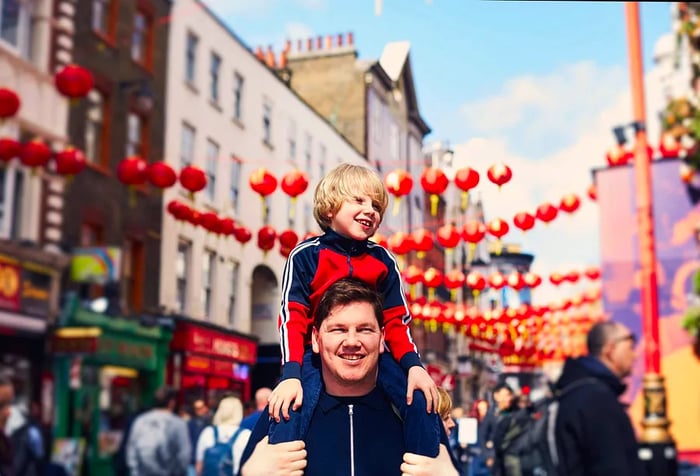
(283,60)
(329,42)
(259,54)
(340,39)
(309,44)
(299,45)
(351,39)
(287,46)
(319,42)
(270,59)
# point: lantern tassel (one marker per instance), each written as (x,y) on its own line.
(465,201)
(470,252)
(433,326)
(264,209)
(292,207)
(434,200)
(431,294)
(453,295)
(499,246)
(420,254)
(412,291)
(397,204)
(131,192)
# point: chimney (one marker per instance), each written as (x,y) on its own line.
(259,53)
(309,45)
(340,40)
(287,46)
(299,44)
(319,42)
(351,39)
(329,42)
(283,60)
(270,58)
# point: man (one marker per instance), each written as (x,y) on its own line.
(353,430)
(159,444)
(594,436)
(7,396)
(199,421)
(501,428)
(261,397)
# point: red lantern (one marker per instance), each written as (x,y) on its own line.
(9,149)
(294,183)
(556,278)
(266,238)
(466,179)
(618,155)
(497,280)
(177,209)
(524,220)
(227,226)
(193,179)
(401,243)
(454,280)
(515,281)
(569,203)
(572,276)
(242,234)
(448,236)
(498,228)
(262,182)
(288,239)
(669,147)
(532,280)
(9,103)
(413,275)
(74,81)
(432,278)
(592,192)
(592,273)
(70,161)
(380,239)
(35,154)
(423,240)
(500,174)
(398,183)
(473,232)
(210,222)
(434,181)
(476,282)
(161,175)
(132,171)
(546,212)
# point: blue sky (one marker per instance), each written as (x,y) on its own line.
(536,85)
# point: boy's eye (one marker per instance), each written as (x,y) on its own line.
(376,207)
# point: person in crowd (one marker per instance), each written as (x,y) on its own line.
(225,424)
(594,436)
(497,458)
(477,451)
(349,204)
(445,410)
(7,396)
(261,397)
(200,419)
(27,441)
(354,429)
(159,444)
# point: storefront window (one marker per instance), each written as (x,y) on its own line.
(120,388)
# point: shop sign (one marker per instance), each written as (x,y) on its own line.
(9,286)
(73,345)
(204,341)
(197,364)
(24,290)
(138,354)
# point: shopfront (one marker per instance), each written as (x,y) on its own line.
(210,362)
(106,369)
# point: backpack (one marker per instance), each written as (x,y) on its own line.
(218,459)
(531,436)
(152,446)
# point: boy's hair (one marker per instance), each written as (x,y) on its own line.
(444,403)
(348,291)
(343,183)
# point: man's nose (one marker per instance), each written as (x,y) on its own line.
(352,338)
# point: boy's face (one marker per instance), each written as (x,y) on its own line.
(358,217)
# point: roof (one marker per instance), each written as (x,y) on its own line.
(394,58)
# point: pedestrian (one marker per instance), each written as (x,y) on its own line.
(7,396)
(261,397)
(223,429)
(27,442)
(445,410)
(198,421)
(354,430)
(349,204)
(594,436)
(501,461)
(159,443)
(477,451)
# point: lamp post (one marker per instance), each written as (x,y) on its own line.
(657,449)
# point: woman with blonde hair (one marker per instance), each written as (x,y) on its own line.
(225,424)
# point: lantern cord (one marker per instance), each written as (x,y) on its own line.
(465,201)
(434,200)
(397,203)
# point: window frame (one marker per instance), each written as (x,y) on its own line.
(235,182)
(186,126)
(147,45)
(292,140)
(109,34)
(211,162)
(208,281)
(238,89)
(191,44)
(102,154)
(233,268)
(142,147)
(184,248)
(24,33)
(215,62)
(267,122)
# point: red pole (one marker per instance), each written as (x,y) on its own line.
(647,247)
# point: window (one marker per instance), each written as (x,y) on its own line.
(232,289)
(394,143)
(182,268)
(186,145)
(135,136)
(208,265)
(96,127)
(191,58)
(238,82)
(235,182)
(103,17)
(132,275)
(267,122)
(212,158)
(292,140)
(214,77)
(16,26)
(377,125)
(308,143)
(11,201)
(91,234)
(322,162)
(141,39)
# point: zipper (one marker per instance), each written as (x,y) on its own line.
(350,270)
(352,442)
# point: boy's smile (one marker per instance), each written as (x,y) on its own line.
(358,218)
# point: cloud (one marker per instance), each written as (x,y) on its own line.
(565,102)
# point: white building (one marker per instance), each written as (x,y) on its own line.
(229,114)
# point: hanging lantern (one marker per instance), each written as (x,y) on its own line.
(9,103)
(515,281)
(532,280)
(524,220)
(500,174)
(448,236)
(556,278)
(592,192)
(74,81)
(592,273)
(70,161)
(466,179)
(546,212)
(9,149)
(177,210)
(266,238)
(572,276)
(294,183)
(161,175)
(669,147)
(497,280)
(498,228)
(210,222)
(242,234)
(263,183)
(380,239)
(35,153)
(132,171)
(398,183)
(288,239)
(432,278)
(476,282)
(423,240)
(193,179)
(570,203)
(454,280)
(400,244)
(618,155)
(194,218)
(413,275)
(227,226)
(434,182)
(473,232)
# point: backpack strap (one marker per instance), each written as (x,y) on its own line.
(234,437)
(216,434)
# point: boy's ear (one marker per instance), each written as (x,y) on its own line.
(314,340)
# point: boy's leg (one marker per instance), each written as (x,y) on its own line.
(421,429)
(295,428)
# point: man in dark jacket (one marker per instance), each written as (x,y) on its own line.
(7,395)
(353,430)
(594,435)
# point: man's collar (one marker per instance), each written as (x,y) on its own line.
(374,399)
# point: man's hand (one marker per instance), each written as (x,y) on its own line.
(283,459)
(282,396)
(418,379)
(417,465)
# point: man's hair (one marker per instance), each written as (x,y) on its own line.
(343,183)
(348,291)
(598,336)
(502,386)
(163,396)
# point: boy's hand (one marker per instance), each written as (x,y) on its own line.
(418,379)
(282,396)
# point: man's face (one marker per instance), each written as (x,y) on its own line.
(7,396)
(503,398)
(620,351)
(200,408)
(349,342)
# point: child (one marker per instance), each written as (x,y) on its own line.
(349,204)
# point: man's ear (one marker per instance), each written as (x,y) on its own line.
(314,340)
(381,342)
